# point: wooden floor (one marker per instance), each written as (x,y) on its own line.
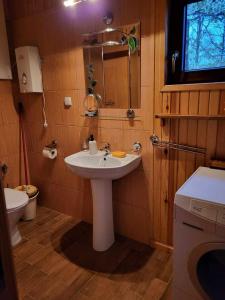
(56,261)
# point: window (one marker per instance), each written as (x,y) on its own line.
(196,41)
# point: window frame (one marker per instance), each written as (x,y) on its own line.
(175,42)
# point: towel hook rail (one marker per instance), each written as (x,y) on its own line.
(179,147)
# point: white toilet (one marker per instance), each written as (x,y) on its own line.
(15,204)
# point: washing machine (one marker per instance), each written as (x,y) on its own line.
(199,237)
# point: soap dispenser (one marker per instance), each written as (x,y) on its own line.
(92,145)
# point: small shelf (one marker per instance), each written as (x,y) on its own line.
(121,118)
(190,117)
(106,30)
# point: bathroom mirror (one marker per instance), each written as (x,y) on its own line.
(113,66)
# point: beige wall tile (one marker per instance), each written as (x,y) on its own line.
(147,96)
(147,61)
(132,222)
(36,136)
(33,104)
(11,136)
(13,174)
(112,136)
(8,109)
(66,200)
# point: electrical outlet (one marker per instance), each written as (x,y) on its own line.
(68,102)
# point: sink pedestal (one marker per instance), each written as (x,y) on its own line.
(102,172)
(103,228)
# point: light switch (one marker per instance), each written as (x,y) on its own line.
(68,102)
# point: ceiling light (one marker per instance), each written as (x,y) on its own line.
(68,3)
(109,29)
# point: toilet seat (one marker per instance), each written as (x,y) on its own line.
(15,199)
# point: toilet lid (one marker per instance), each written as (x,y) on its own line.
(15,199)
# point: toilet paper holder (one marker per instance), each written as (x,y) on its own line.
(52,145)
(50,151)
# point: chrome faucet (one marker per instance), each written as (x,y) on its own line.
(107,153)
(107,149)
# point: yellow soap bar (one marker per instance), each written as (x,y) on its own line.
(119,154)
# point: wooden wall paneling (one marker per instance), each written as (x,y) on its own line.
(214,107)
(171,192)
(173,162)
(222,103)
(174,136)
(220,147)
(203,109)
(166,98)
(159,78)
(209,86)
(148,93)
(188,99)
(165,172)
(183,133)
(157,156)
(192,133)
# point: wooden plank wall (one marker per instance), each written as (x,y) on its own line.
(175,167)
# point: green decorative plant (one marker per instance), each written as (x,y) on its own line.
(91,81)
(130,39)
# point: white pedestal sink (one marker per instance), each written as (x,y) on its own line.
(102,171)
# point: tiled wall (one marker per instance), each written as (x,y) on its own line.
(57,34)
(9,135)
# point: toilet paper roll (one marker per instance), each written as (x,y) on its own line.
(49,153)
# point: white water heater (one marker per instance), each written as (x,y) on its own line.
(29,69)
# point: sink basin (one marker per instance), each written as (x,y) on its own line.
(95,167)
(102,171)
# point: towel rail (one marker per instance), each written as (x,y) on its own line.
(179,147)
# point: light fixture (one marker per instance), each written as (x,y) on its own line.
(109,29)
(108,18)
(68,3)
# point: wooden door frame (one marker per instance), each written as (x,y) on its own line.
(10,290)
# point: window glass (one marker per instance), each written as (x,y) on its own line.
(204,38)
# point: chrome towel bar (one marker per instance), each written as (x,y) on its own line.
(165,144)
